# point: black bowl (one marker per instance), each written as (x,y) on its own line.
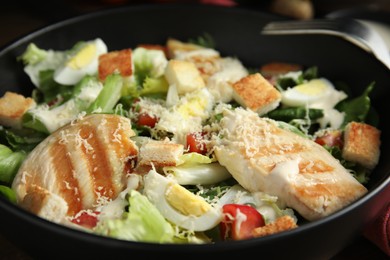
(236,32)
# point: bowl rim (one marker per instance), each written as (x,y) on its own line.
(109,241)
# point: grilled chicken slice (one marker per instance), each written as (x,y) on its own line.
(263,157)
(84,164)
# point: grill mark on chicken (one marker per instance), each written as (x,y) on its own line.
(273,150)
(315,166)
(119,149)
(68,185)
(268,152)
(80,166)
(121,145)
(131,159)
(302,174)
(98,162)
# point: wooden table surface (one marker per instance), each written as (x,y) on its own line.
(16,22)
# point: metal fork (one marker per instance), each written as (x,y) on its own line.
(349,29)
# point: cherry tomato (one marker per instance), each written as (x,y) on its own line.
(86,219)
(195,143)
(239,221)
(145,119)
(331,139)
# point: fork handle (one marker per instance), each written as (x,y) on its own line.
(348,29)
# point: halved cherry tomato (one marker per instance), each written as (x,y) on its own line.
(331,139)
(86,219)
(239,221)
(195,143)
(144,119)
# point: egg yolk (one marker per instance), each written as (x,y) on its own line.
(313,87)
(185,202)
(83,57)
(194,107)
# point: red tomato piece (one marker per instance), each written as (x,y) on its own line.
(331,139)
(195,143)
(86,219)
(239,221)
(145,119)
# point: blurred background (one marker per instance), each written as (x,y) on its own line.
(20,17)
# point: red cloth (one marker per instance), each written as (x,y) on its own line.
(219,2)
(211,2)
(378,231)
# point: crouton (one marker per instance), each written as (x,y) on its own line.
(45,204)
(160,153)
(115,61)
(361,144)
(205,59)
(174,46)
(256,93)
(184,75)
(220,83)
(12,108)
(274,69)
(280,224)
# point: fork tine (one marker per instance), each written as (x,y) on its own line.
(340,25)
(299,25)
(348,29)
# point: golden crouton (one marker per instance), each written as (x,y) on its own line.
(160,153)
(184,75)
(280,224)
(205,59)
(174,45)
(256,93)
(115,61)
(361,144)
(12,108)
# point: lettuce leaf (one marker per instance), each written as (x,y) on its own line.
(9,164)
(8,193)
(143,223)
(356,109)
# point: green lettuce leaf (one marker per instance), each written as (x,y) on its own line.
(9,164)
(108,96)
(356,109)
(143,223)
(8,193)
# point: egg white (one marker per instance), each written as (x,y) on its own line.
(316,93)
(156,187)
(70,72)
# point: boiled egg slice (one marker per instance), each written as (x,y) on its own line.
(196,104)
(187,114)
(82,61)
(318,93)
(180,206)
